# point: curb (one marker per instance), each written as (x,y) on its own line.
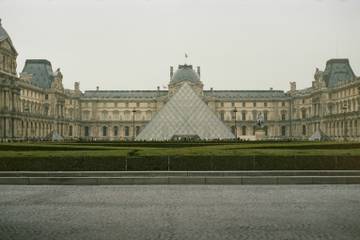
(173,180)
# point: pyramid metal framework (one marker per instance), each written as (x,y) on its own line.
(185,114)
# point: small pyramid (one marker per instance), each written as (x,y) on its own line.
(185,114)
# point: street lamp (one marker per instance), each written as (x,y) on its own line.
(133,123)
(235,128)
(344,108)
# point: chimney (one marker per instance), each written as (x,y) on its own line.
(292,86)
(211,89)
(97,88)
(198,70)
(271,89)
(158,88)
(171,72)
(77,86)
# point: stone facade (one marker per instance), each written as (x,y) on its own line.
(35,104)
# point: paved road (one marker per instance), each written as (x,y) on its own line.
(180,212)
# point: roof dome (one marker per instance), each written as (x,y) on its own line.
(185,73)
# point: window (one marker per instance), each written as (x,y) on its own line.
(254,129)
(283,104)
(283,131)
(104,115)
(304,130)
(254,115)
(233,115)
(222,115)
(116,131)
(243,104)
(254,104)
(137,104)
(104,131)
(87,131)
(265,115)
(265,104)
(283,116)
(127,131)
(46,96)
(303,113)
(243,130)
(266,130)
(116,115)
(70,131)
(232,104)
(243,116)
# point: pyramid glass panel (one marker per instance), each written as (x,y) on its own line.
(185,114)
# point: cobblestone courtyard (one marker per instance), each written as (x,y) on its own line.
(180,212)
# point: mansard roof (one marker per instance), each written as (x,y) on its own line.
(338,72)
(124,93)
(41,71)
(229,94)
(222,94)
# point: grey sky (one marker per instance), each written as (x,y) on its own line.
(239,44)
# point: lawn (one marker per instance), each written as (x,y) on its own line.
(182,156)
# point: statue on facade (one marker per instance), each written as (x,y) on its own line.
(260,120)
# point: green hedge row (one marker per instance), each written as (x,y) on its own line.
(181,163)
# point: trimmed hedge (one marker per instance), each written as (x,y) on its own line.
(181,163)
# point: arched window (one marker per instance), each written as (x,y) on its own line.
(104,131)
(304,130)
(127,131)
(243,130)
(222,115)
(116,130)
(70,131)
(243,116)
(283,131)
(87,131)
(265,115)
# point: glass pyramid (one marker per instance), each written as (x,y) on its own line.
(185,114)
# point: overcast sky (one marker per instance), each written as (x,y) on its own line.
(239,44)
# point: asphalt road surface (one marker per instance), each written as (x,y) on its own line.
(180,212)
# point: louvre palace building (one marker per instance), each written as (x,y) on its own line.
(35,105)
